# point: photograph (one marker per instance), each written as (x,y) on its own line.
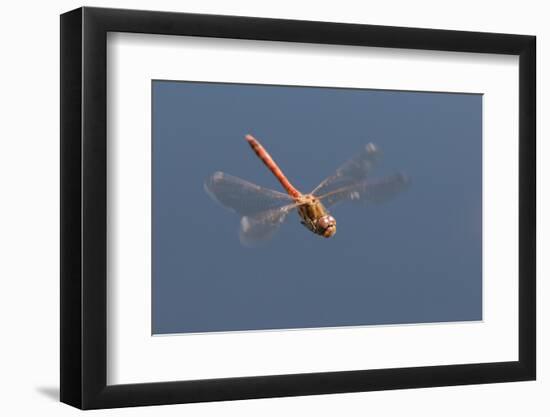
(312,207)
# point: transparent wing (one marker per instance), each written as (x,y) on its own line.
(262,210)
(368,191)
(243,197)
(353,171)
(261,227)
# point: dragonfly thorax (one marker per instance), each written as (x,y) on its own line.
(316,217)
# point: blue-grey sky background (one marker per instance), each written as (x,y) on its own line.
(414,259)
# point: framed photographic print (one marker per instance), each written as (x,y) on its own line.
(258,207)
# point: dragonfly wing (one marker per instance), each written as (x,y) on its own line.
(243,197)
(262,226)
(368,191)
(353,171)
(262,210)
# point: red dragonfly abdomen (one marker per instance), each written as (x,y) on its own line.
(314,215)
(273,167)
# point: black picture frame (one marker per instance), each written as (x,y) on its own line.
(84,197)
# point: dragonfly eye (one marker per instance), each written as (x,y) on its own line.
(327,226)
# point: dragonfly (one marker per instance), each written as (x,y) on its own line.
(263,210)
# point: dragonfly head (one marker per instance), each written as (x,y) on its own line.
(326,225)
